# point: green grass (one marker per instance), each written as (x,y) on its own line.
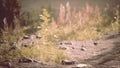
(6,53)
(93,28)
(47,53)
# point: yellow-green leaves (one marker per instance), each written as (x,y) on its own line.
(45,16)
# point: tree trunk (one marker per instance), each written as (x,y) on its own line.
(8,9)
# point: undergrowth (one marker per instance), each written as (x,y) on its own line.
(88,23)
(48,53)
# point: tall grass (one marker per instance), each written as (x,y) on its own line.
(8,39)
(87,23)
(47,53)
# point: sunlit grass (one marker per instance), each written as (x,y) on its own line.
(83,25)
(46,52)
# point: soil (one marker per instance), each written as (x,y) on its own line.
(102,53)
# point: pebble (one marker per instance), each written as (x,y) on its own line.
(95,43)
(38,37)
(25,60)
(83,49)
(68,62)
(82,66)
(26,37)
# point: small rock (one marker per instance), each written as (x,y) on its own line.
(83,49)
(3,41)
(73,48)
(82,66)
(9,65)
(68,62)
(26,37)
(6,64)
(95,43)
(39,61)
(25,45)
(60,43)
(25,60)
(39,27)
(12,48)
(38,37)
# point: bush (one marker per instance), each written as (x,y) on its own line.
(46,52)
(88,23)
(7,53)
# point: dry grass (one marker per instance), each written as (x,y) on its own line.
(87,23)
(47,53)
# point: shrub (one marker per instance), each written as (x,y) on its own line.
(46,52)
(7,53)
(76,25)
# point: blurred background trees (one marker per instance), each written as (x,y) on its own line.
(9,14)
(10,29)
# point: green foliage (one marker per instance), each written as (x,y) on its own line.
(29,18)
(11,36)
(91,28)
(95,25)
(47,53)
(45,18)
(7,53)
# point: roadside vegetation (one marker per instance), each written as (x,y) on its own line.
(70,24)
(88,23)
